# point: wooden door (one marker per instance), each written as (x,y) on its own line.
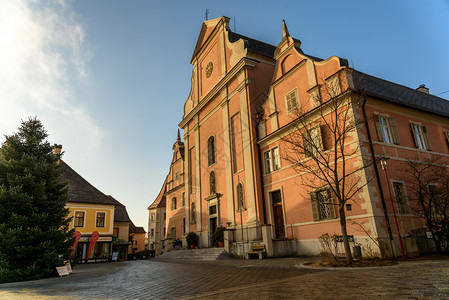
(278,215)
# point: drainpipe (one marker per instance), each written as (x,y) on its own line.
(376,171)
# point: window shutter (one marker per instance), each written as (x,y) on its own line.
(426,137)
(306,144)
(315,211)
(393,130)
(330,200)
(414,135)
(320,139)
(379,131)
(446,134)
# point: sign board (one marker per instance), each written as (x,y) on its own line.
(68,266)
(62,271)
(429,234)
(114,256)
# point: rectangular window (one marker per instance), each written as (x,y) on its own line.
(312,142)
(183,225)
(164,231)
(236,142)
(173,203)
(437,206)
(115,232)
(183,199)
(79,219)
(291,100)
(100,219)
(272,160)
(152,232)
(421,136)
(446,135)
(192,162)
(386,129)
(323,207)
(165,216)
(401,200)
(152,217)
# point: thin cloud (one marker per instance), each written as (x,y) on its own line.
(42,54)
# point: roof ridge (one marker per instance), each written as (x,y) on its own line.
(401,85)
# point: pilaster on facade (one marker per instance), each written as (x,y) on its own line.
(249,188)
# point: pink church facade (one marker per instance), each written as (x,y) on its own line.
(231,169)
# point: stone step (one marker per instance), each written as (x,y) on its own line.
(196,254)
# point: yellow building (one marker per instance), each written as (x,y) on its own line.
(91,211)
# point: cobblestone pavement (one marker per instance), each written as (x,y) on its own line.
(238,279)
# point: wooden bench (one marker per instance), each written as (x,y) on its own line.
(257,250)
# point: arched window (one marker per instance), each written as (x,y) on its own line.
(211,150)
(240,197)
(192,213)
(212,183)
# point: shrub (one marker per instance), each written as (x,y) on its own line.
(192,239)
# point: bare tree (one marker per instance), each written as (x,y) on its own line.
(428,184)
(321,144)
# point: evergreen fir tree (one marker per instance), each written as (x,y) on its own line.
(34,228)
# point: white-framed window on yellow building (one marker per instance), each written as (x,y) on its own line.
(78,220)
(291,100)
(101,219)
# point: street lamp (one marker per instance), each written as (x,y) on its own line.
(383,164)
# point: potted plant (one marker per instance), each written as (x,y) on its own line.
(192,240)
(219,236)
(177,244)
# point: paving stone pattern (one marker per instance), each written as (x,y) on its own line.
(238,279)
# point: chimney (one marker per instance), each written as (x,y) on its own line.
(422,88)
(57,149)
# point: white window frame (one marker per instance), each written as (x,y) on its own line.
(272,160)
(313,134)
(96,217)
(421,136)
(385,129)
(84,218)
(288,100)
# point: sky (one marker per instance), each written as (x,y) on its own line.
(108,78)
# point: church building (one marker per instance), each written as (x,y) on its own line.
(261,138)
